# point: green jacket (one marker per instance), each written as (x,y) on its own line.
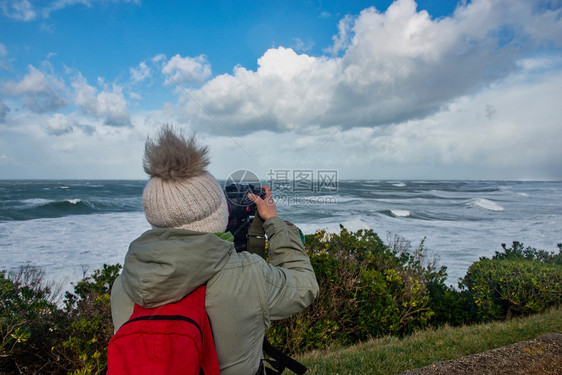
(244,293)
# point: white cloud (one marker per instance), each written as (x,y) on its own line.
(4,109)
(460,141)
(287,91)
(187,69)
(40,91)
(47,28)
(60,124)
(343,38)
(3,54)
(21,10)
(109,152)
(141,73)
(109,104)
(25,10)
(521,139)
(473,95)
(392,67)
(510,130)
(4,159)
(301,46)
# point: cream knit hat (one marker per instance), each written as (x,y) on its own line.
(180,193)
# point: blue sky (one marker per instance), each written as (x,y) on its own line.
(375,90)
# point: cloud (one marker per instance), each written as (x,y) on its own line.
(40,92)
(25,10)
(4,159)
(300,46)
(521,140)
(60,124)
(180,70)
(4,109)
(388,67)
(141,73)
(21,10)
(343,38)
(397,95)
(510,130)
(35,151)
(3,54)
(47,28)
(109,104)
(287,91)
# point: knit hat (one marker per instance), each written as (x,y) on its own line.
(180,192)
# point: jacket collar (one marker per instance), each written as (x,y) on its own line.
(164,265)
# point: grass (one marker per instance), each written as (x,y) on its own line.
(391,355)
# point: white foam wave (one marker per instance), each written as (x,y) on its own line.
(35,202)
(52,243)
(334,226)
(74,201)
(486,204)
(400,213)
(399,184)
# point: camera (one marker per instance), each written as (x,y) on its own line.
(241,211)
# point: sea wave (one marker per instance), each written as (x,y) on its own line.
(39,208)
(400,213)
(396,213)
(445,213)
(486,204)
(34,202)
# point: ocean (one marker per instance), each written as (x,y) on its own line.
(70,228)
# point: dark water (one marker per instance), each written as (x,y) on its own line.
(27,200)
(66,226)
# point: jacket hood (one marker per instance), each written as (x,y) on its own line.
(164,265)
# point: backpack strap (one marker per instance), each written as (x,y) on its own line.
(256,237)
(167,317)
(280,361)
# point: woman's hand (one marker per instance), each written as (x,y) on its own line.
(266,207)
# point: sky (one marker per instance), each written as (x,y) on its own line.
(370,89)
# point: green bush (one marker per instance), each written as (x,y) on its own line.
(38,337)
(367,289)
(518,281)
(451,306)
(30,323)
(519,252)
(91,329)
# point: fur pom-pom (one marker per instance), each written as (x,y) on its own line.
(171,156)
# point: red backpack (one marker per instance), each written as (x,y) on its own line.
(172,339)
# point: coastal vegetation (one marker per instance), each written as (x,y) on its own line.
(392,355)
(372,289)
(384,303)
